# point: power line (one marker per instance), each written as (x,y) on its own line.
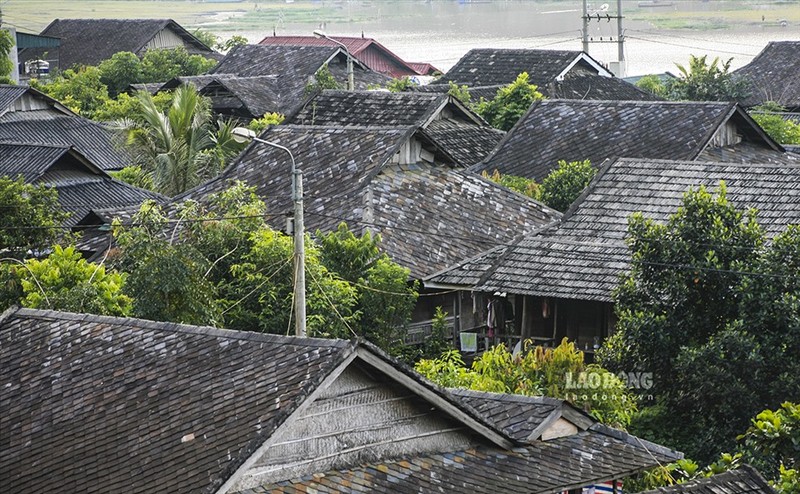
(689,46)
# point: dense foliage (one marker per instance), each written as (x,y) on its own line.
(712,309)
(704,81)
(557,372)
(30,217)
(220,264)
(525,186)
(564,184)
(183,146)
(510,103)
(65,281)
(771,444)
(769,117)
(6,65)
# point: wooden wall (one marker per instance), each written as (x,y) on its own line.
(358,419)
(166,38)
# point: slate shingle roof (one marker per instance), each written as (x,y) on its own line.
(467,144)
(81,186)
(583,256)
(429,216)
(518,416)
(542,468)
(774,75)
(343,108)
(458,132)
(595,87)
(98,403)
(98,143)
(90,41)
(743,480)
(10,93)
(572,130)
(490,67)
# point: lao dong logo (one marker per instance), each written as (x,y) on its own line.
(597,381)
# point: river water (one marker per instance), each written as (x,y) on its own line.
(440,32)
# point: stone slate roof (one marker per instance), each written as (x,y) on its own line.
(518,416)
(573,130)
(743,480)
(490,67)
(293,65)
(583,256)
(82,187)
(92,402)
(349,176)
(11,93)
(595,87)
(343,108)
(90,41)
(546,467)
(463,135)
(467,144)
(774,75)
(98,143)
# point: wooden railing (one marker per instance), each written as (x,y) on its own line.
(418,332)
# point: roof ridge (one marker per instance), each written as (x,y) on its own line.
(177,327)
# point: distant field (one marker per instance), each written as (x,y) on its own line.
(228,17)
(34,15)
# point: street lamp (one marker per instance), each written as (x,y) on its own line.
(241,134)
(350,83)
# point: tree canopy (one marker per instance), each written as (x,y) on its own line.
(559,372)
(564,184)
(510,103)
(31,218)
(712,308)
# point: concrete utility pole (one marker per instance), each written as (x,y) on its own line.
(618,68)
(242,134)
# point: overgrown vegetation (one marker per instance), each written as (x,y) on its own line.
(564,184)
(710,307)
(769,117)
(559,372)
(510,103)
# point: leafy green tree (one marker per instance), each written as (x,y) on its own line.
(399,85)
(772,443)
(769,117)
(166,281)
(461,93)
(704,81)
(231,43)
(136,176)
(510,103)
(556,372)
(162,65)
(323,79)
(80,89)
(654,85)
(710,300)
(120,71)
(125,107)
(564,184)
(526,186)
(206,37)
(65,281)
(31,218)
(6,65)
(260,124)
(386,299)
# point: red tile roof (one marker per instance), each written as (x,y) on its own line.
(368,51)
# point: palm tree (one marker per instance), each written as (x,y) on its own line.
(180,147)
